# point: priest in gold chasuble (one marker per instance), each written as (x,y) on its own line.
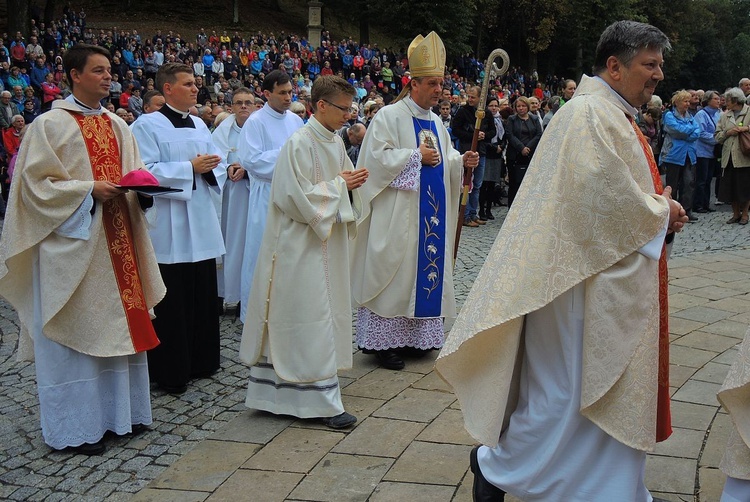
(559,357)
(77,263)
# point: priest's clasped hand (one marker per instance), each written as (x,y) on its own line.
(677,214)
(471,159)
(355,179)
(205,163)
(235,172)
(430,156)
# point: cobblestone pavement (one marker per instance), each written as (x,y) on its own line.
(205,445)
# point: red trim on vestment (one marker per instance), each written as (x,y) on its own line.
(104,153)
(663,414)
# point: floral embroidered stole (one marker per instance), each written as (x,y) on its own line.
(104,153)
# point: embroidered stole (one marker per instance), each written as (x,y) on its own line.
(432,222)
(663,414)
(104,153)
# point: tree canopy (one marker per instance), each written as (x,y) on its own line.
(710,38)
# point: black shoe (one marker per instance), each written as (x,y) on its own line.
(175,390)
(483,490)
(136,429)
(367,351)
(692,218)
(89,448)
(388,359)
(701,210)
(339,421)
(488,215)
(710,209)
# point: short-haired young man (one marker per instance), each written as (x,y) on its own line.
(297,332)
(263,135)
(77,264)
(177,148)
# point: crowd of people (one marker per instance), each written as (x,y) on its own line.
(284,162)
(31,70)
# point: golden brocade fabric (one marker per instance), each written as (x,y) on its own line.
(104,154)
(80,302)
(734,395)
(586,206)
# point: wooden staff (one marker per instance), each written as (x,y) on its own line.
(490,71)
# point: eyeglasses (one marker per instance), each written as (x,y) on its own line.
(345,109)
(247,103)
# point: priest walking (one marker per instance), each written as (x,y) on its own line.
(559,357)
(234,202)
(262,137)
(77,264)
(402,273)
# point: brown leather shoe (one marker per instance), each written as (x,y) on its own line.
(470,223)
(480,221)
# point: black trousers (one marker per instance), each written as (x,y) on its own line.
(485,196)
(516,172)
(187,324)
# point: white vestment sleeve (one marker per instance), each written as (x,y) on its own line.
(173,174)
(253,157)
(78,226)
(320,205)
(652,249)
(408,179)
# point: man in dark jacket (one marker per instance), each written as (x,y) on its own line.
(463,128)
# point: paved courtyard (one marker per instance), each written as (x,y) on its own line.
(409,443)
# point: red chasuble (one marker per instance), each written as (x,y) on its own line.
(663,415)
(104,153)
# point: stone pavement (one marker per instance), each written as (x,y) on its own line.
(409,443)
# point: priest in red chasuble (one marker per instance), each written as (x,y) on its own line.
(77,263)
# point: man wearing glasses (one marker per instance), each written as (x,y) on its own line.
(235,195)
(298,330)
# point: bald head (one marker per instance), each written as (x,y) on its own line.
(356,133)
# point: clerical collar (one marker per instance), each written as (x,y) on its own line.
(320,128)
(182,114)
(177,118)
(415,108)
(631,110)
(83,107)
(273,113)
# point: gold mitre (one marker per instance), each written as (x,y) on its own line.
(427,56)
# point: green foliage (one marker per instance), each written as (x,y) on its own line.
(710,38)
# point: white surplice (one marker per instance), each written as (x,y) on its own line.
(234,206)
(187,228)
(261,139)
(299,309)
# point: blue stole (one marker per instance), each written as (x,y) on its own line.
(432,223)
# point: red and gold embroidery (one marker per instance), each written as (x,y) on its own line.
(104,153)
